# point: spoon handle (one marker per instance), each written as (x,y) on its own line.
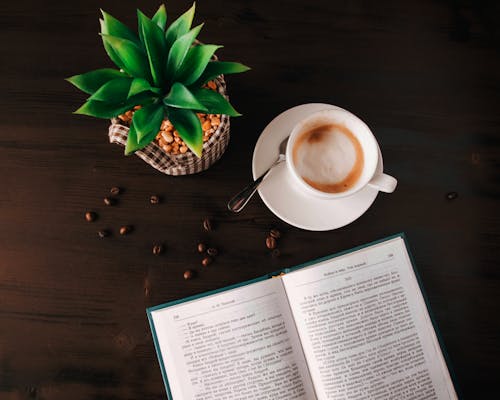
(241,199)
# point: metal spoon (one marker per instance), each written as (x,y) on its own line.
(241,199)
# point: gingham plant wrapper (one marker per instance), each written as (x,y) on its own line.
(181,164)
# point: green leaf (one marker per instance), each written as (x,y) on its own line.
(154,42)
(180,26)
(216,68)
(131,55)
(215,102)
(111,26)
(113,91)
(160,17)
(147,120)
(132,144)
(195,63)
(179,50)
(93,80)
(118,29)
(180,97)
(109,50)
(140,85)
(103,109)
(187,123)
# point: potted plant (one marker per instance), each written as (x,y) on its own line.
(167,100)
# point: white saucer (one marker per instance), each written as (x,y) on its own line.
(281,195)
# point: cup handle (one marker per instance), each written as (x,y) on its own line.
(384,183)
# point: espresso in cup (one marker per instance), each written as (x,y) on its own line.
(333,154)
(328,157)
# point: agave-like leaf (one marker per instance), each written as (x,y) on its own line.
(104,109)
(216,68)
(113,91)
(195,63)
(180,97)
(147,121)
(187,123)
(118,29)
(153,39)
(132,56)
(107,47)
(93,80)
(180,26)
(111,26)
(215,102)
(179,50)
(140,85)
(132,144)
(160,17)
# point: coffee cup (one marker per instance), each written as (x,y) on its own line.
(332,154)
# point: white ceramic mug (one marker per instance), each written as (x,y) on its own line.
(369,176)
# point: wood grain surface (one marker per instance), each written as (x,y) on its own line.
(425,75)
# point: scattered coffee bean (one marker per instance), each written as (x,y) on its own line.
(158,249)
(125,229)
(201,247)
(90,216)
(103,233)
(206,261)
(275,233)
(451,195)
(109,201)
(270,242)
(276,253)
(154,199)
(188,274)
(115,191)
(207,225)
(212,251)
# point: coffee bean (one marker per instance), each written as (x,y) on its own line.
(207,225)
(275,233)
(276,253)
(115,191)
(103,233)
(158,249)
(125,229)
(270,242)
(109,201)
(90,216)
(32,391)
(201,247)
(451,195)
(212,251)
(154,199)
(188,274)
(206,261)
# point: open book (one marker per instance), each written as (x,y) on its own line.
(348,326)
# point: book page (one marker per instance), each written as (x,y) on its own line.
(240,344)
(365,329)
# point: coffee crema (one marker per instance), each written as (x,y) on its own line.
(328,157)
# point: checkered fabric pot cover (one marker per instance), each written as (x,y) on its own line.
(181,164)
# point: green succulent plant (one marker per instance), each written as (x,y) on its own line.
(161,69)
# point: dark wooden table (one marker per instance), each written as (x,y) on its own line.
(425,75)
